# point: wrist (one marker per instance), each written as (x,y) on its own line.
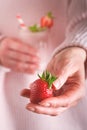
(76,51)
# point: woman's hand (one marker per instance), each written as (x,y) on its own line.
(18,56)
(68,66)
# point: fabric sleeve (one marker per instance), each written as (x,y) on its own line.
(1,37)
(76,32)
(2,68)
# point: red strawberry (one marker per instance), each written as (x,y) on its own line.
(47,21)
(42,88)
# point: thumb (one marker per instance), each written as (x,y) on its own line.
(61,80)
(25,93)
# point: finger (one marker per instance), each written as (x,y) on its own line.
(74,104)
(64,100)
(20,66)
(22,57)
(63,70)
(21,47)
(63,74)
(25,93)
(60,81)
(44,110)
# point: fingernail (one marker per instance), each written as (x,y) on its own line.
(45,104)
(56,84)
(30,108)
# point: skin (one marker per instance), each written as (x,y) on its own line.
(18,56)
(68,66)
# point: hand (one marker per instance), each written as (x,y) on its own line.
(68,66)
(18,56)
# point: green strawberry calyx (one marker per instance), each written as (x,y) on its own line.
(48,77)
(36,28)
(50,15)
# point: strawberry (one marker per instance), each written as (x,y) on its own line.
(42,88)
(47,21)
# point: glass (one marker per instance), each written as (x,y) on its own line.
(40,41)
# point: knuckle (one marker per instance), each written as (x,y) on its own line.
(6,41)
(55,114)
(18,56)
(17,46)
(67,104)
(19,66)
(37,111)
(25,58)
(54,105)
(22,67)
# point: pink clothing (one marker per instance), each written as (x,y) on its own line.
(76,31)
(13,114)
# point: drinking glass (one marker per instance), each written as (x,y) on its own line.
(39,40)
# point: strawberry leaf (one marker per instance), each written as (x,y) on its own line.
(50,15)
(33,28)
(48,77)
(36,28)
